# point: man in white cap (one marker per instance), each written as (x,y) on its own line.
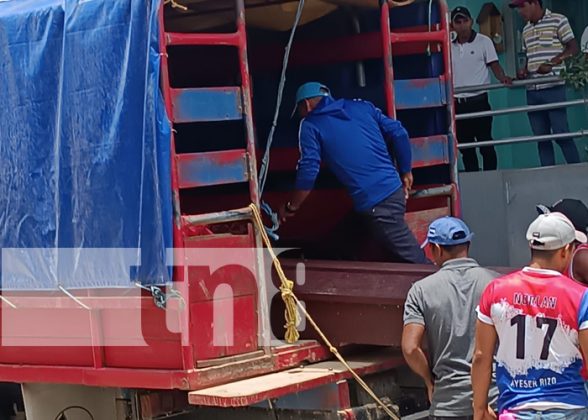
(536,322)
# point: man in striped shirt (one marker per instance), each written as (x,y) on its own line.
(548,40)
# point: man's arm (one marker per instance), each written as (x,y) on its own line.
(583,338)
(308,168)
(486,339)
(580,266)
(412,338)
(491,60)
(499,73)
(583,324)
(584,41)
(395,132)
(566,37)
(523,72)
(571,50)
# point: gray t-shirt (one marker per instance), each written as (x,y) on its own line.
(445,303)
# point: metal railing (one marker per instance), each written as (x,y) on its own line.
(524,139)
(525,108)
(515,84)
(517,109)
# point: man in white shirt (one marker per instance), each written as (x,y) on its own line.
(472,54)
(584,41)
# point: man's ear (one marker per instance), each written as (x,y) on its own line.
(568,249)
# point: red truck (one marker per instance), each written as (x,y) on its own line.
(207,343)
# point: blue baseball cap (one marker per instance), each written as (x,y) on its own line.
(310,90)
(448,231)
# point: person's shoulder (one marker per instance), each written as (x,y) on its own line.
(308,125)
(485,273)
(358,103)
(505,280)
(432,280)
(567,283)
(483,39)
(557,16)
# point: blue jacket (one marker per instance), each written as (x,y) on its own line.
(351,136)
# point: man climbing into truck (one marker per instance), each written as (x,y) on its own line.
(352,137)
(442,308)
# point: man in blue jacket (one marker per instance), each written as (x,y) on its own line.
(351,137)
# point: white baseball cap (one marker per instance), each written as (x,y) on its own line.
(553,231)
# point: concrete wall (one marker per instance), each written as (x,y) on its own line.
(499,206)
(525,155)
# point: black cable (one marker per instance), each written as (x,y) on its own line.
(61,414)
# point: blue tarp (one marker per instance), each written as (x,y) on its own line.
(84,145)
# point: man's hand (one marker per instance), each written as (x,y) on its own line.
(430,390)
(487,414)
(522,73)
(284,212)
(505,80)
(545,68)
(407,181)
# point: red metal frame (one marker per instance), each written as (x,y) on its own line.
(181,229)
(163,378)
(440,36)
(172,362)
(387,57)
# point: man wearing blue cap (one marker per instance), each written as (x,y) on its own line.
(351,136)
(442,307)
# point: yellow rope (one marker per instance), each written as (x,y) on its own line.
(292,317)
(175,5)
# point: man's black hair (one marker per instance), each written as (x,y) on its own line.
(544,254)
(456,249)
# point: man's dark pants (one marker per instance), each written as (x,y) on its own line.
(476,129)
(387,224)
(451,418)
(553,121)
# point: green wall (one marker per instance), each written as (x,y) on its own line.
(513,125)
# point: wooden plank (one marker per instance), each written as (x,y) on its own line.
(251,391)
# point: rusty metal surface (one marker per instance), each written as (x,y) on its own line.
(278,384)
(355,302)
(365,282)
